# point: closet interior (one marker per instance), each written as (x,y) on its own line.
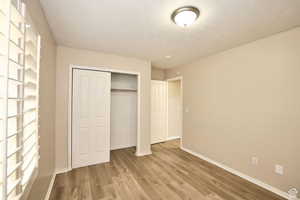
(123,123)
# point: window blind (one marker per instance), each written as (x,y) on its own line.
(19,86)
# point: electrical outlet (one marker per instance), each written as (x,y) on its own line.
(293,194)
(254,160)
(279,169)
(187,110)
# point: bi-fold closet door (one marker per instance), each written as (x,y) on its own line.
(104,115)
(90,117)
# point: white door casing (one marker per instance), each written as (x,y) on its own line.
(90,117)
(158,111)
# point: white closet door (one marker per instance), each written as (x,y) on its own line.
(158,111)
(91,118)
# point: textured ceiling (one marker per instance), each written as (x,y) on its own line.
(143,29)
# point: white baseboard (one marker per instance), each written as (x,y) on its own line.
(50,187)
(121,147)
(61,171)
(160,141)
(143,153)
(173,138)
(244,176)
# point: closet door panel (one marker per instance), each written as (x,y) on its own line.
(158,111)
(81,131)
(91,118)
(83,149)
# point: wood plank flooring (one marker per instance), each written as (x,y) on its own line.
(168,174)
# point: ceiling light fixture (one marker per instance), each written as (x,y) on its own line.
(185,16)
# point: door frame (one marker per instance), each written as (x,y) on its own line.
(177,78)
(70,104)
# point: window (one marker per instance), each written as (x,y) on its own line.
(19,75)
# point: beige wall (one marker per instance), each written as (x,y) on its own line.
(245,102)
(174,109)
(67,56)
(47,101)
(157,74)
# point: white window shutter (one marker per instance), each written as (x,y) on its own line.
(19,86)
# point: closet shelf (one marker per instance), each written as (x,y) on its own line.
(123,90)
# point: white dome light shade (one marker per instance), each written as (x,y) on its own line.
(185,16)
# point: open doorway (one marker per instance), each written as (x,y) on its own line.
(175,109)
(166,111)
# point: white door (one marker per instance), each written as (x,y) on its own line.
(158,111)
(90,118)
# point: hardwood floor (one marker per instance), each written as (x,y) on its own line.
(168,174)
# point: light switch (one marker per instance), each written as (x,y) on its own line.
(279,169)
